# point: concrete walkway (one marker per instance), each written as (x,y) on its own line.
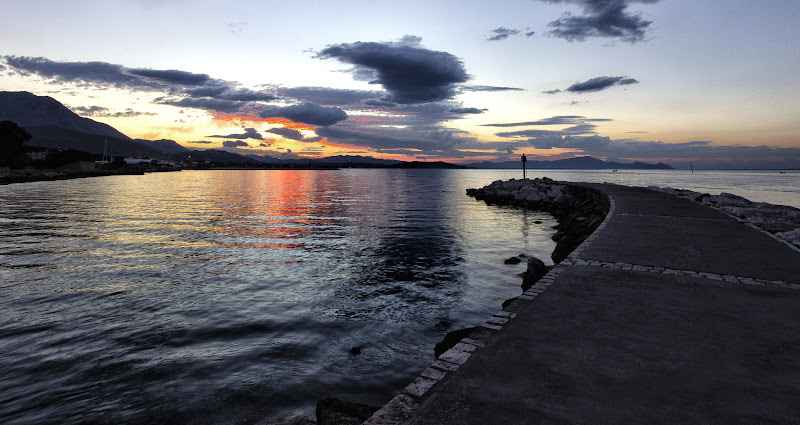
(671,313)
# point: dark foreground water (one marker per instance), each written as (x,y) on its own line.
(235,296)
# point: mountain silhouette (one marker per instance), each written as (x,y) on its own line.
(29,110)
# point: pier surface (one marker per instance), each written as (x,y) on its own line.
(672,312)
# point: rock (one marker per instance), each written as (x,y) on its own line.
(508,302)
(332,411)
(512,260)
(450,340)
(354,351)
(536,269)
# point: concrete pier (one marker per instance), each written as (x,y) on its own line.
(671,312)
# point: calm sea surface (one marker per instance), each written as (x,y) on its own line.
(235,296)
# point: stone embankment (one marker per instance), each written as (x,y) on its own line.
(780,220)
(578,209)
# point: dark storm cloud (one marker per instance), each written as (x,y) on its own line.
(556,120)
(490,88)
(289,133)
(502,34)
(600,83)
(601,18)
(100,111)
(234,144)
(249,133)
(331,97)
(307,113)
(411,74)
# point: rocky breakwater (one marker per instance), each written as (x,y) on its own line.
(578,209)
(780,220)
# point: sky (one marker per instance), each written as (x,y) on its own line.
(706,84)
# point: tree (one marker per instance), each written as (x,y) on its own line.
(12,140)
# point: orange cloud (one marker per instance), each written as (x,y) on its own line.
(282,121)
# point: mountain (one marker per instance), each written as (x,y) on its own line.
(578,163)
(57,137)
(163,145)
(28,110)
(213,155)
(345,160)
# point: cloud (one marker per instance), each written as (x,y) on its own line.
(555,91)
(103,112)
(170,76)
(290,133)
(576,130)
(234,144)
(600,83)
(502,34)
(249,133)
(556,120)
(186,89)
(411,74)
(331,97)
(467,110)
(307,113)
(601,18)
(490,88)
(209,104)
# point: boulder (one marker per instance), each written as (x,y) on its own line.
(536,269)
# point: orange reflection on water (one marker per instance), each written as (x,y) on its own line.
(265,206)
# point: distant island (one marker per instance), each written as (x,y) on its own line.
(577,163)
(53,128)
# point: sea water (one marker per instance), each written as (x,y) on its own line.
(238,296)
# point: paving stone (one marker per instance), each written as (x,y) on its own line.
(462,346)
(443,365)
(455,356)
(496,320)
(433,373)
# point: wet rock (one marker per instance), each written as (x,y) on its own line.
(512,260)
(354,351)
(332,411)
(578,209)
(536,269)
(450,340)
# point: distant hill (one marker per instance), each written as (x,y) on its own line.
(57,137)
(163,145)
(28,110)
(578,163)
(213,155)
(426,164)
(356,159)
